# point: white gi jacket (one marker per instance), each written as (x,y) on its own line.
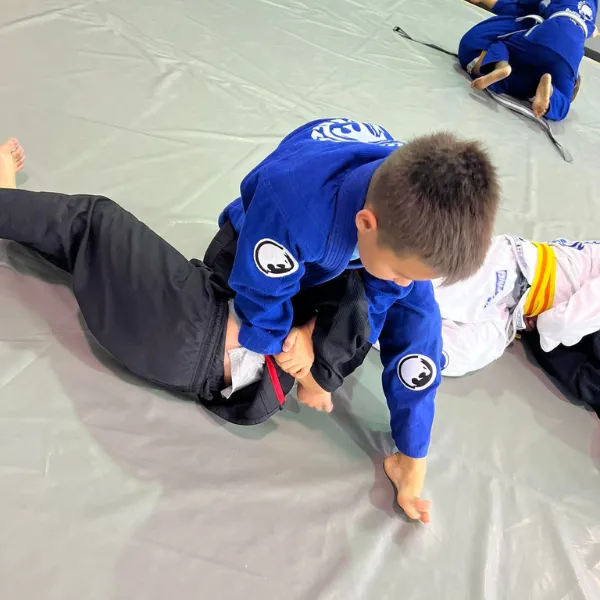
(482,314)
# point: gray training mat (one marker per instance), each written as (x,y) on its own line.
(113,490)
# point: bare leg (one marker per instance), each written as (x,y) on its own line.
(501,71)
(12,160)
(541,102)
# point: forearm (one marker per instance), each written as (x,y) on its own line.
(411,352)
(262,330)
(310,384)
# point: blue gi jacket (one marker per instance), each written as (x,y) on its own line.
(560,34)
(296,225)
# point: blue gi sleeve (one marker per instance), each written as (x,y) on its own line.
(266,274)
(411,354)
(517,8)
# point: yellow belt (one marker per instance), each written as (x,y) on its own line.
(541,294)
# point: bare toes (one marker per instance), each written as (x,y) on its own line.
(9,145)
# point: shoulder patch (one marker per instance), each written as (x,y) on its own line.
(585,10)
(346,130)
(274,260)
(416,371)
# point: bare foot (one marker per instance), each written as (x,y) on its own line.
(541,102)
(320,401)
(498,74)
(12,160)
(408,475)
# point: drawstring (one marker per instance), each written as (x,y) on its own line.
(504,101)
(403,33)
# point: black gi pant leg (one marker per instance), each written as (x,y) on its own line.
(342,329)
(576,369)
(151,308)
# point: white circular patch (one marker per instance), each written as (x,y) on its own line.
(585,10)
(416,372)
(273,260)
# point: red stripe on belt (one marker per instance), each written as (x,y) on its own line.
(275,380)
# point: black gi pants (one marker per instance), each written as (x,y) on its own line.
(576,369)
(163,316)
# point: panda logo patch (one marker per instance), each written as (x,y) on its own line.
(585,10)
(416,372)
(273,260)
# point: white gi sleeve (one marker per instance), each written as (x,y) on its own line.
(568,322)
(471,346)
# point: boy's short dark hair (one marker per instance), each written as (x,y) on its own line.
(437,198)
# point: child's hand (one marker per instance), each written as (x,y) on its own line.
(408,476)
(297,357)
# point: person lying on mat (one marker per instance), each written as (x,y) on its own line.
(167,319)
(576,368)
(554,287)
(338,194)
(531,50)
(170,321)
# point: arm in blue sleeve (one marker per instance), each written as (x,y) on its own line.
(411,353)
(517,8)
(266,274)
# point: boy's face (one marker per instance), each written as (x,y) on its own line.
(383,263)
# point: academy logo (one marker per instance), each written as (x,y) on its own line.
(500,283)
(445,361)
(273,260)
(345,130)
(416,372)
(585,10)
(575,245)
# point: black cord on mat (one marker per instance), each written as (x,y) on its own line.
(403,33)
(506,101)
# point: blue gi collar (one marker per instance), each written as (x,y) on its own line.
(351,198)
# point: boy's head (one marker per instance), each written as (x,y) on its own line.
(429,211)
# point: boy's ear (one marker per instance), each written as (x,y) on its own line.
(366,220)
